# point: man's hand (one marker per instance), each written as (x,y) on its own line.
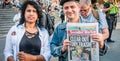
(99,39)
(66,43)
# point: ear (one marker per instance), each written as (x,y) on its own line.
(78,6)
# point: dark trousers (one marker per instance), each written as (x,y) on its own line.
(110,21)
(115,22)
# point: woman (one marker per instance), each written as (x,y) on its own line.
(28,41)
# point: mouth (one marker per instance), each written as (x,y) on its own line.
(83,13)
(70,14)
(30,18)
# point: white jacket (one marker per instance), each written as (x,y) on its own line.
(14,37)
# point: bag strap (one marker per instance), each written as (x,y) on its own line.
(95,14)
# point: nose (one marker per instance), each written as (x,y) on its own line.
(69,9)
(31,12)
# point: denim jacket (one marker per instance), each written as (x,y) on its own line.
(59,36)
(14,37)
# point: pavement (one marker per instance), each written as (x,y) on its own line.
(113,53)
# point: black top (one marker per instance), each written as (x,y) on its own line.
(30,45)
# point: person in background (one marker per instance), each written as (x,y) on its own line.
(118,4)
(62,16)
(17,4)
(110,11)
(87,16)
(7,4)
(28,41)
(46,19)
(17,17)
(59,43)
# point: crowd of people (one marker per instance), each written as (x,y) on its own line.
(30,39)
(6,4)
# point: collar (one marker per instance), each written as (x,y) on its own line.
(22,26)
(63,25)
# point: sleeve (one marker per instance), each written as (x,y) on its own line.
(8,50)
(56,45)
(102,20)
(104,50)
(46,48)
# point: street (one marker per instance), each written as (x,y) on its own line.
(113,53)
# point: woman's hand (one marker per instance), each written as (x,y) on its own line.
(10,58)
(22,56)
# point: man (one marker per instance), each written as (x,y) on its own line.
(110,16)
(87,16)
(59,43)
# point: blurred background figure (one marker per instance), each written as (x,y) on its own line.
(118,4)
(111,10)
(6,4)
(62,16)
(47,20)
(17,16)
(17,4)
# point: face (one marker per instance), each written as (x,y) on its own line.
(31,14)
(71,10)
(84,10)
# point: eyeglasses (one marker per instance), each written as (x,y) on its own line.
(84,10)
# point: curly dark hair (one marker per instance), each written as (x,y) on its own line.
(36,6)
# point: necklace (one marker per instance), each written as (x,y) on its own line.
(30,35)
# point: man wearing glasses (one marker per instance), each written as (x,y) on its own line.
(86,16)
